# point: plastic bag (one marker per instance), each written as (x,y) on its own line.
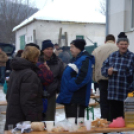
(22,127)
(117,123)
(66,125)
(5,87)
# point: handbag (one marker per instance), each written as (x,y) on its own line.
(5,87)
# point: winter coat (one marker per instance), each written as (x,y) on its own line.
(101,53)
(75,87)
(3,59)
(24,95)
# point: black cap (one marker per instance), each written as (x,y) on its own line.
(79,43)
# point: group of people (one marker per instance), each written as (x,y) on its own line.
(114,69)
(35,79)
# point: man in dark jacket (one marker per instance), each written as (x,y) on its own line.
(56,66)
(76,81)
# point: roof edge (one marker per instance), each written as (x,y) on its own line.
(71,22)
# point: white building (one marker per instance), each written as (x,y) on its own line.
(121,19)
(63,25)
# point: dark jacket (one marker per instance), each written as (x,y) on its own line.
(24,95)
(76,87)
(57,67)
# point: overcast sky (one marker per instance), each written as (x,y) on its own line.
(40,3)
(94,4)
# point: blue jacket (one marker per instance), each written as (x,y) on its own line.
(75,87)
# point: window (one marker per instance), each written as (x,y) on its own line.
(22,42)
(7,48)
(79,37)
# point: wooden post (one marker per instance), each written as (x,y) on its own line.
(34,36)
(60,34)
(66,39)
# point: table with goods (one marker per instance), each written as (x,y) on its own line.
(68,126)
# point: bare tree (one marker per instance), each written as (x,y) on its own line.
(102,7)
(12,12)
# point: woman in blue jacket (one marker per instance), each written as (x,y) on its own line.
(76,81)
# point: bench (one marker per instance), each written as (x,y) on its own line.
(3,103)
(94,97)
(3,112)
(90,105)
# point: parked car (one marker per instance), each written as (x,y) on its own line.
(9,50)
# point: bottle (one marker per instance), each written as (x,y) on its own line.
(129,110)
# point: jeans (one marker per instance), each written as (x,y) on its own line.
(2,74)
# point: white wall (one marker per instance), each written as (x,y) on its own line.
(50,30)
(116,16)
(27,31)
(120,19)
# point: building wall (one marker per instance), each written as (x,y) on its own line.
(50,30)
(120,19)
(27,31)
(116,16)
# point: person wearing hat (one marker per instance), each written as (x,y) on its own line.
(56,66)
(76,81)
(118,68)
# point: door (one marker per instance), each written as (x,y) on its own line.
(22,42)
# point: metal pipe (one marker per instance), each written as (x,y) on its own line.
(107,18)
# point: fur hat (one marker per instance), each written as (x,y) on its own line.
(46,44)
(122,35)
(79,43)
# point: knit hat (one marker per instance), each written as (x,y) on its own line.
(122,35)
(33,44)
(79,43)
(46,44)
